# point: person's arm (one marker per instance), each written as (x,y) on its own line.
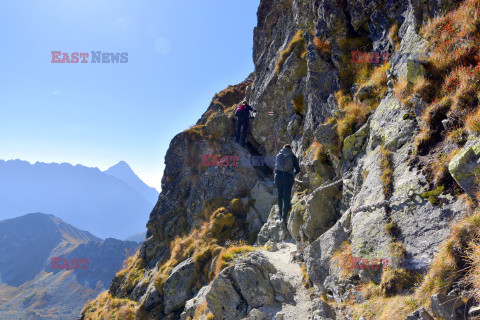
(296,166)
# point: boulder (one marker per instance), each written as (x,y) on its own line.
(256,314)
(419,314)
(192,304)
(219,126)
(284,290)
(320,214)
(264,200)
(318,171)
(415,71)
(412,46)
(178,286)
(254,287)
(271,246)
(223,300)
(355,143)
(242,286)
(387,125)
(364,92)
(318,254)
(295,220)
(151,298)
(274,229)
(254,222)
(326,134)
(465,166)
(447,307)
(323,310)
(474,311)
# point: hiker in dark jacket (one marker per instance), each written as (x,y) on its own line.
(243,116)
(286,167)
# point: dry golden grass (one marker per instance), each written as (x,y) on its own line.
(379,76)
(403,91)
(298,103)
(343,258)
(431,118)
(393,35)
(229,254)
(395,280)
(473,274)
(132,271)
(350,73)
(473,122)
(355,116)
(379,307)
(195,132)
(356,113)
(107,307)
(445,267)
(205,242)
(318,152)
(307,283)
(321,154)
(298,43)
(397,250)
(453,71)
(461,248)
(321,46)
(200,311)
(386,166)
(439,167)
(425,89)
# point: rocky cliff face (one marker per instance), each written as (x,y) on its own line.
(385,162)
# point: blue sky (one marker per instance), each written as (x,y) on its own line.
(180,53)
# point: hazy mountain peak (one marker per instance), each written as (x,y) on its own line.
(121,169)
(124,172)
(121,165)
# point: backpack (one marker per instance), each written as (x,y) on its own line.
(284,163)
(242,111)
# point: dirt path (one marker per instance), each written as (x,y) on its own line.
(302,305)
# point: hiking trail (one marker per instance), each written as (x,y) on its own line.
(301,307)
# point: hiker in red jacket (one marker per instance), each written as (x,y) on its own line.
(243,116)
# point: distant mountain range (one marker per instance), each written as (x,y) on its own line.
(114,203)
(139,237)
(49,269)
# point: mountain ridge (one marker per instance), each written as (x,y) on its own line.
(86,197)
(38,276)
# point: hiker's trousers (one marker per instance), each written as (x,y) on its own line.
(284,182)
(242,127)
